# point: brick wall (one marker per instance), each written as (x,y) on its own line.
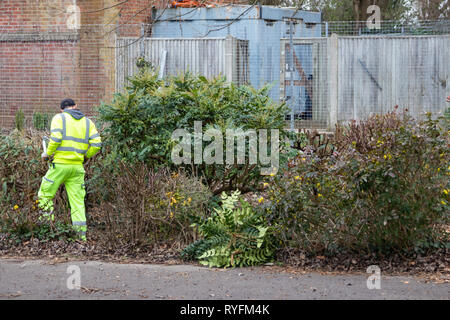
(42,61)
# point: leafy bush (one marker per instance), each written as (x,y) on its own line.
(139,122)
(384,189)
(232,236)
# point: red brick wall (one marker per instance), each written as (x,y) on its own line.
(37,75)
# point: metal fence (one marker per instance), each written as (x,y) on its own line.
(351,78)
(210,57)
(391,28)
(348,74)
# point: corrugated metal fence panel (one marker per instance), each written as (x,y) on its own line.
(377,73)
(199,56)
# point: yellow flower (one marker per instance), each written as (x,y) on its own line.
(16,207)
(173,200)
(189,200)
(318,184)
(261,199)
(319,195)
(297,177)
(265,184)
(443,202)
(439,169)
(385,156)
(445,191)
(37,201)
(272,174)
(171,214)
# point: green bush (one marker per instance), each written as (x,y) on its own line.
(384,189)
(139,122)
(232,236)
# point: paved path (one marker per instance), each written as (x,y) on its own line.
(40,279)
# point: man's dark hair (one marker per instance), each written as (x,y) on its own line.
(67,103)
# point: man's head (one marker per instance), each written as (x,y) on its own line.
(68,104)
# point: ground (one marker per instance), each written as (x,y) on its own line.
(47,279)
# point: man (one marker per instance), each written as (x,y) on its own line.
(73,139)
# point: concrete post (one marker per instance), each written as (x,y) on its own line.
(229,58)
(332,45)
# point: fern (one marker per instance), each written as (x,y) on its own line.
(232,236)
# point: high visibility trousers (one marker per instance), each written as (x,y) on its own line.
(73,178)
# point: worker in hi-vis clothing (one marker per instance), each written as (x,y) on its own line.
(73,138)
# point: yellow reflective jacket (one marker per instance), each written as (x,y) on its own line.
(73,137)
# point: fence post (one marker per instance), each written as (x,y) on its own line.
(332,44)
(229,58)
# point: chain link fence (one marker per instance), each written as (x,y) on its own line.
(326,72)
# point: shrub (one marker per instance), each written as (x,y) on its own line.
(232,236)
(21,172)
(143,207)
(127,205)
(385,189)
(140,122)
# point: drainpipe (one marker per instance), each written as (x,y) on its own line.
(260,8)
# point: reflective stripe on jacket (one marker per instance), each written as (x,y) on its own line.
(72,139)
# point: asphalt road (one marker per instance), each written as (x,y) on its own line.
(42,279)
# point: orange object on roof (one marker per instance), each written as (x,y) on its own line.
(194,4)
(186,4)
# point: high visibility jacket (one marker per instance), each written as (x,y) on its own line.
(73,137)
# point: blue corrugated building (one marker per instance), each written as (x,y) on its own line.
(262,26)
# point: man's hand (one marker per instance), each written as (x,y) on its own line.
(44,156)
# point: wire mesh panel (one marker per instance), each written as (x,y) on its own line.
(377,73)
(40,66)
(210,57)
(305,85)
(391,28)
(334,72)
